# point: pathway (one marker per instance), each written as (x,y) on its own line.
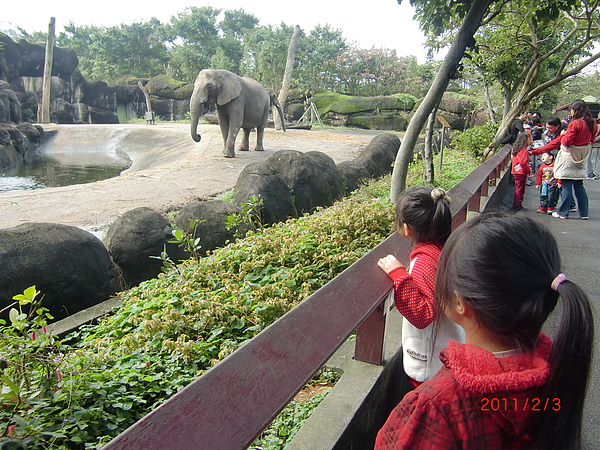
(579,246)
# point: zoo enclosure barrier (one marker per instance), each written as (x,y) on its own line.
(232,403)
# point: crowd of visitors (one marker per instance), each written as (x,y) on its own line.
(481,293)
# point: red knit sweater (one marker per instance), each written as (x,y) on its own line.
(414,291)
(476,401)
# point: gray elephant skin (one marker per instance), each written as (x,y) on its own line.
(241,103)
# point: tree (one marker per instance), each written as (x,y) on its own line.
(265,51)
(539,49)
(287,76)
(194,37)
(432,21)
(109,53)
(314,53)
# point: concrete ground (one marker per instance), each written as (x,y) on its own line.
(169,170)
(579,246)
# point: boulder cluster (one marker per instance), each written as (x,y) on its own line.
(75,270)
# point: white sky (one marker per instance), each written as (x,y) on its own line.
(375,23)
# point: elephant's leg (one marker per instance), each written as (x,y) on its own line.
(245,145)
(229,151)
(260,131)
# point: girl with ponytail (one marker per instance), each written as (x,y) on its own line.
(509,385)
(422,216)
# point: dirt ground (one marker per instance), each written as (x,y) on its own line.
(169,170)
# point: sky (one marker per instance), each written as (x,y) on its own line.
(379,24)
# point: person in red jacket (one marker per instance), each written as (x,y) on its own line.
(422,216)
(520,168)
(508,386)
(574,147)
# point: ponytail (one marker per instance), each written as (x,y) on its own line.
(427,212)
(570,362)
(505,267)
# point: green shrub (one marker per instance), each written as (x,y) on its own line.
(474,140)
(171,329)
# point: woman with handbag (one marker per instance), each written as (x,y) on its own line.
(574,147)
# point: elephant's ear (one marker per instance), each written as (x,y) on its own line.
(230,89)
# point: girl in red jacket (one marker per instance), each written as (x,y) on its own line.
(423,216)
(520,168)
(509,386)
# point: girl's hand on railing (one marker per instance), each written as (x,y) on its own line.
(389,263)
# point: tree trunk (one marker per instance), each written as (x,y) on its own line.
(453,57)
(287,76)
(486,90)
(47,80)
(429,169)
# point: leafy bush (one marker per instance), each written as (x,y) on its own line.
(171,329)
(474,140)
(82,392)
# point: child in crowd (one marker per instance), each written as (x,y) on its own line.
(509,386)
(423,216)
(548,185)
(520,168)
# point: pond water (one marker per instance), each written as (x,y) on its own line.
(51,167)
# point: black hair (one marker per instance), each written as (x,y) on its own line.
(554,121)
(581,111)
(503,267)
(520,142)
(550,154)
(427,212)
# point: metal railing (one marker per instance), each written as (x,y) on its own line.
(231,404)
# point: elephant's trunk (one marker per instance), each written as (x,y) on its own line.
(194,128)
(197,108)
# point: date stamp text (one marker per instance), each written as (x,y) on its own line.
(520,404)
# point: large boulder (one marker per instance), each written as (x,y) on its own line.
(70,266)
(210,217)
(262,179)
(313,178)
(354,173)
(379,155)
(135,239)
(373,161)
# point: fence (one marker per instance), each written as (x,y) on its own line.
(230,405)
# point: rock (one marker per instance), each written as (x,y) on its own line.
(166,87)
(70,266)
(373,161)
(262,179)
(354,173)
(379,155)
(134,238)
(313,178)
(211,217)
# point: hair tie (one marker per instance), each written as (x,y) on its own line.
(439,193)
(557,281)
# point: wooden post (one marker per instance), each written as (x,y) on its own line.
(287,76)
(47,80)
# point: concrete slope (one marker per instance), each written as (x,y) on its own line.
(168,170)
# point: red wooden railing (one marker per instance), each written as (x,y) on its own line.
(230,405)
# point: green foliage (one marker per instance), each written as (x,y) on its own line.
(171,329)
(30,361)
(290,420)
(474,140)
(250,214)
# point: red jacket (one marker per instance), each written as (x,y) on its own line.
(577,133)
(413,292)
(520,163)
(475,401)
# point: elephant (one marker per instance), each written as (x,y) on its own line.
(241,103)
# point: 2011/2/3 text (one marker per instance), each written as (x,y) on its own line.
(518,404)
